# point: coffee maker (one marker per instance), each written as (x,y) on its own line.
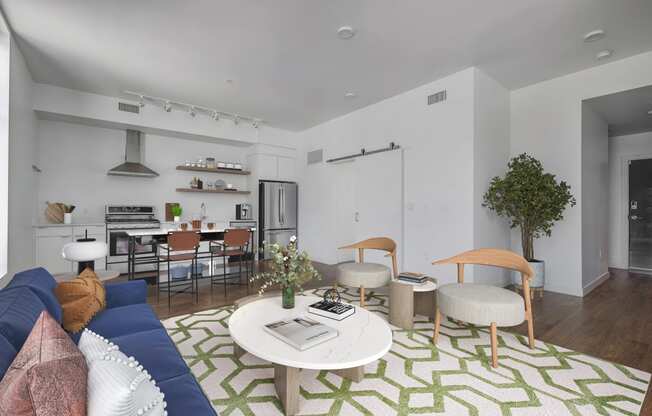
(243,212)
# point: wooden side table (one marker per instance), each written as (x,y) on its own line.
(409,299)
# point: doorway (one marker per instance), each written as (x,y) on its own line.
(640,215)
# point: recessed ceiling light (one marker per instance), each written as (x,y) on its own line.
(594,35)
(650,112)
(345,32)
(350,95)
(604,54)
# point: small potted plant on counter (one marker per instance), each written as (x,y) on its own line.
(176,211)
(532,201)
(289,269)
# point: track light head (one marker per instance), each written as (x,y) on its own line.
(215,116)
(192,112)
(256,123)
(141,101)
(167,107)
(236,120)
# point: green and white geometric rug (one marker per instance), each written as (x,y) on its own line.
(415,377)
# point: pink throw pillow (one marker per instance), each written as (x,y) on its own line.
(47,377)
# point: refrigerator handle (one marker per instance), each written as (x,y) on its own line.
(283,210)
(280,220)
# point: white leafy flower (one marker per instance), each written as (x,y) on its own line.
(293,239)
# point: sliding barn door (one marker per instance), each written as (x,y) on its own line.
(369,202)
(379,207)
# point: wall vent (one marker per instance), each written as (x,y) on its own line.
(315,156)
(129,108)
(437,97)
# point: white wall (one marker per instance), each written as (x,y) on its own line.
(621,150)
(546,122)
(4,153)
(438,144)
(74,159)
(491,154)
(595,198)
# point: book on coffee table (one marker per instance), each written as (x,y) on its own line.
(301,333)
(332,310)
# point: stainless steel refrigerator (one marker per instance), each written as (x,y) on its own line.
(277,216)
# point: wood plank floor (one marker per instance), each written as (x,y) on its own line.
(614,322)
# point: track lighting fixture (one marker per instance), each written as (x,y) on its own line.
(168,105)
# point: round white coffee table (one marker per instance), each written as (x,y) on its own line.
(363,338)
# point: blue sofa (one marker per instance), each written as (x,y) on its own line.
(127,321)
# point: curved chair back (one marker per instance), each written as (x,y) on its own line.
(489,257)
(377,243)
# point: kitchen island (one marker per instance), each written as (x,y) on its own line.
(159,236)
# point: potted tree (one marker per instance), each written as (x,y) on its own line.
(532,201)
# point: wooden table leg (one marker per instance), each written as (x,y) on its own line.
(286,380)
(355,374)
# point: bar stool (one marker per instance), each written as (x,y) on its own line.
(235,243)
(181,246)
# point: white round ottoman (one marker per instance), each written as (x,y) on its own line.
(363,276)
(480,304)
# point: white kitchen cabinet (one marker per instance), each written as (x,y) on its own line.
(272,167)
(48,250)
(49,242)
(286,168)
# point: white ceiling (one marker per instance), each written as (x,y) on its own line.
(286,62)
(626,112)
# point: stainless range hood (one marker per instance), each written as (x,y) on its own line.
(133,165)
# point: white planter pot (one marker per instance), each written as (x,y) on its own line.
(67,218)
(539,278)
(176,219)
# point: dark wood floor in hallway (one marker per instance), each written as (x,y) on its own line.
(614,322)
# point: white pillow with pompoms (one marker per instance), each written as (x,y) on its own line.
(118,385)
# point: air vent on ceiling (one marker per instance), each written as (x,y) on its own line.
(315,156)
(437,97)
(129,108)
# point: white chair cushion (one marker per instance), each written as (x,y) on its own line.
(481,304)
(369,275)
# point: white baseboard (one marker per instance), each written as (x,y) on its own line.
(595,283)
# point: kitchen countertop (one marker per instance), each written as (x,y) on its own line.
(164,231)
(76,223)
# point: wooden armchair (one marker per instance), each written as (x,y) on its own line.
(486,305)
(368,275)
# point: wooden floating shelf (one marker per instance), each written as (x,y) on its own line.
(212,191)
(215,170)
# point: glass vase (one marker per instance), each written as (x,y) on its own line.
(287,295)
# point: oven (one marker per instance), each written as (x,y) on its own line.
(120,219)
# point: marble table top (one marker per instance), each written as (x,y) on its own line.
(363,337)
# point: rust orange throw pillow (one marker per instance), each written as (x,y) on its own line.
(47,377)
(80,300)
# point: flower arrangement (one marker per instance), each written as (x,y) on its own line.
(289,268)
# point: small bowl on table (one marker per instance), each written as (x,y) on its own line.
(184,226)
(210,225)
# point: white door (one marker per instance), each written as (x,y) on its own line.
(368,203)
(379,201)
(343,175)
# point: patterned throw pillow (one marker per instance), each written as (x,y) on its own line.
(47,377)
(118,385)
(80,300)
